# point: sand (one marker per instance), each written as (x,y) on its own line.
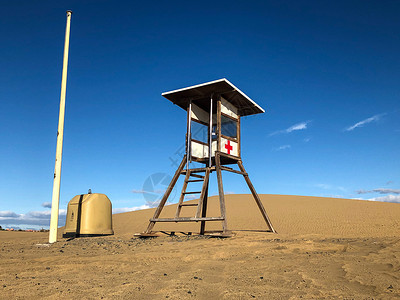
(325,248)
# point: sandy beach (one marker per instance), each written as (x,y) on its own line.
(325,248)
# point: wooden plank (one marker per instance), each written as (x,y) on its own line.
(189,193)
(197,176)
(256,197)
(229,156)
(203,190)
(199,160)
(221,191)
(189,204)
(166,195)
(232,170)
(184,219)
(229,117)
(229,138)
(198,170)
(185,183)
(218,129)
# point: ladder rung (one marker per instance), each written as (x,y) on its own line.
(198,170)
(187,193)
(196,180)
(189,204)
(197,176)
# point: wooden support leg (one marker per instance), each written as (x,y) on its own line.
(203,202)
(204,213)
(256,197)
(221,192)
(166,195)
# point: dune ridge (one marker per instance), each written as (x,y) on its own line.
(289,214)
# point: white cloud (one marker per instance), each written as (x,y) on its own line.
(388,198)
(295,127)
(35,218)
(127,209)
(8,214)
(363,122)
(306,140)
(283,147)
(46,204)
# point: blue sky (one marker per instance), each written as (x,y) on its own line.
(326,74)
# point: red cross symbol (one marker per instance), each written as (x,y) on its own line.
(228,147)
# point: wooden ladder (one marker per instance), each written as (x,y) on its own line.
(191,177)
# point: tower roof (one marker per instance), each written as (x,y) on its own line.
(200,95)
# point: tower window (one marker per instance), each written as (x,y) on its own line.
(228,127)
(199,132)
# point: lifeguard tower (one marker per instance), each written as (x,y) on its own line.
(213,110)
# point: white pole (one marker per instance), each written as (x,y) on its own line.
(60,134)
(189,136)
(210,132)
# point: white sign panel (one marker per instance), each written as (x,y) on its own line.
(229,147)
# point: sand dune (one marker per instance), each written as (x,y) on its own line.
(290,215)
(325,249)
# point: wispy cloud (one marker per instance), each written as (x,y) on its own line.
(46,204)
(306,140)
(295,127)
(379,191)
(366,121)
(325,186)
(127,209)
(283,147)
(148,192)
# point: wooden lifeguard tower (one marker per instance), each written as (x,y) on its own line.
(213,110)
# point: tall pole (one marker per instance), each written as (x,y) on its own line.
(60,134)
(189,136)
(210,132)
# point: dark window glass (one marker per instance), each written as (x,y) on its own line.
(199,132)
(228,127)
